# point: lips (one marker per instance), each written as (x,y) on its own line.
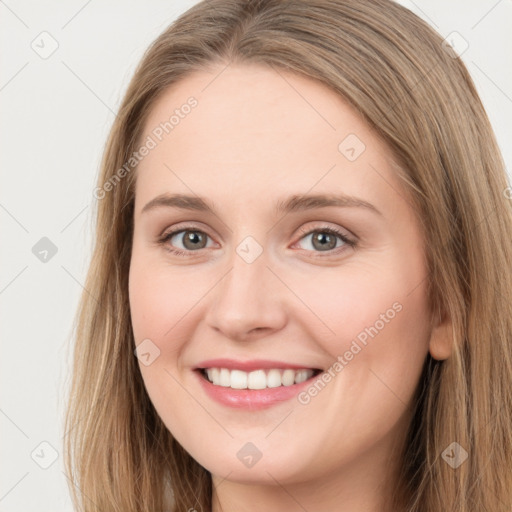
(252,394)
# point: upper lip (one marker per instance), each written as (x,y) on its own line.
(247,366)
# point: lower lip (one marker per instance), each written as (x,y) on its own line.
(254,399)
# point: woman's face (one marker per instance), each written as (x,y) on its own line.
(262,284)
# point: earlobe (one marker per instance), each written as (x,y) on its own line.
(441,339)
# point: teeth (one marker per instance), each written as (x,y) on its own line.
(301,376)
(258,379)
(224,378)
(274,379)
(255,380)
(238,379)
(288,377)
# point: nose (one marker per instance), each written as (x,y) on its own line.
(248,302)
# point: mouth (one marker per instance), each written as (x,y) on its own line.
(257,379)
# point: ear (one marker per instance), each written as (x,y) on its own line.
(441,338)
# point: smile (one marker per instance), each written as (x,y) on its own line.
(257,379)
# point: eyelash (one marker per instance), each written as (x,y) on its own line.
(304,232)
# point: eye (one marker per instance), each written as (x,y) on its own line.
(191,238)
(325,239)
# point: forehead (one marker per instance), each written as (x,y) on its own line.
(245,132)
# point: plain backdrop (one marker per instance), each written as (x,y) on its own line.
(56,113)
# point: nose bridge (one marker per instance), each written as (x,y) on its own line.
(247,298)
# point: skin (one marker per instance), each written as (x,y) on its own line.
(258,136)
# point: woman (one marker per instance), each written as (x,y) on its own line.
(339,339)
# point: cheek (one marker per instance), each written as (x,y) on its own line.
(375,317)
(378,347)
(353,298)
(150,301)
(159,310)
(159,297)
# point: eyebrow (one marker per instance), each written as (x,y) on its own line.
(294,203)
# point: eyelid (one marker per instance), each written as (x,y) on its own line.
(343,232)
(170,232)
(349,241)
(183,226)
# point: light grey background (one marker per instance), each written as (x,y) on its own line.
(56,114)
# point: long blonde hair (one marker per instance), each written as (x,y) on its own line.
(418,96)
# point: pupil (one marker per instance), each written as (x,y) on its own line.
(193,237)
(322,237)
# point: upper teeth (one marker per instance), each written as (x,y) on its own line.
(258,379)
